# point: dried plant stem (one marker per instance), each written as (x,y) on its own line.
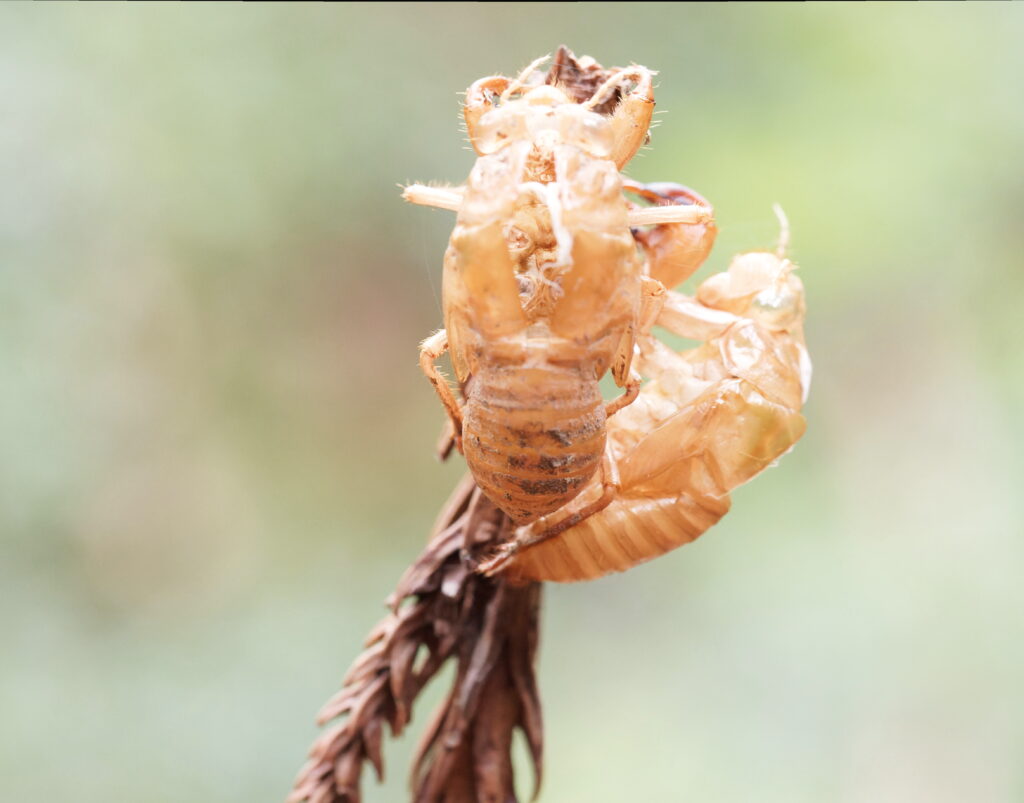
(441,609)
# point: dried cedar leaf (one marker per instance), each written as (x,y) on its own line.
(580,78)
(448,612)
(331,742)
(428,739)
(492,741)
(325,794)
(346,775)
(402,657)
(372,738)
(366,704)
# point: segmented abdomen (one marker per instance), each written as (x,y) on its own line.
(627,532)
(533,436)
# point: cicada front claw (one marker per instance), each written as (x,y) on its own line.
(481,97)
(675,250)
(631,120)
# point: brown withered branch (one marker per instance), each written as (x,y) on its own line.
(441,609)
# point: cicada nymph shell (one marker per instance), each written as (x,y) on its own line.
(556,272)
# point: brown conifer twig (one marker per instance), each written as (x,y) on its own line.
(440,610)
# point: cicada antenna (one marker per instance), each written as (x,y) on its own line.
(520,81)
(783,246)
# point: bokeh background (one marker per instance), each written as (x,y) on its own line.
(216,447)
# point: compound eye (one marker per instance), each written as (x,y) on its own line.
(498,128)
(775,307)
(481,98)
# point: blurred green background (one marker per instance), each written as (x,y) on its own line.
(216,447)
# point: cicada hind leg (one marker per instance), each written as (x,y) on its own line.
(542,530)
(431,350)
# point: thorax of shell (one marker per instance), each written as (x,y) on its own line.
(537,349)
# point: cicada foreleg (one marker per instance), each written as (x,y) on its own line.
(431,350)
(652,299)
(631,120)
(627,398)
(683,229)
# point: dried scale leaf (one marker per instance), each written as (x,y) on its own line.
(440,610)
(580,78)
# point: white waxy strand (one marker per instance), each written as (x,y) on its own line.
(659,215)
(451,198)
(562,235)
(524,76)
(783,246)
(549,195)
(602,92)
